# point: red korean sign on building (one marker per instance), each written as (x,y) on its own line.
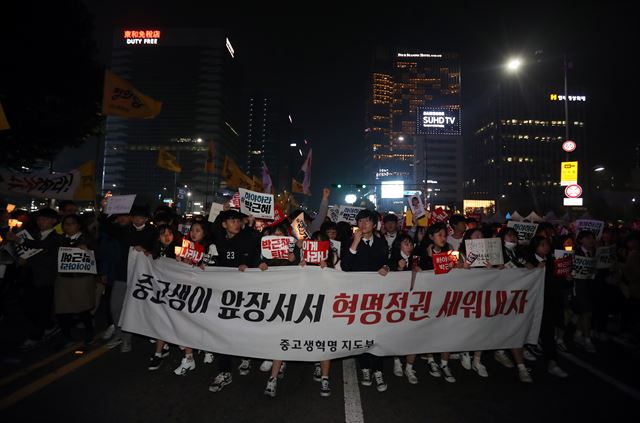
(315,251)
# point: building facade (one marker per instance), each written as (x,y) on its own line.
(194,73)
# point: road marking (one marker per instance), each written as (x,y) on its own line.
(352,404)
(51,377)
(616,383)
(41,363)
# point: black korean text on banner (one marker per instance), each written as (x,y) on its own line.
(22,251)
(562,263)
(348,214)
(525,230)
(606,256)
(312,314)
(584,267)
(315,251)
(76,260)
(299,227)
(482,251)
(594,226)
(256,204)
(277,247)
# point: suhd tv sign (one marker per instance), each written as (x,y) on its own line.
(439,120)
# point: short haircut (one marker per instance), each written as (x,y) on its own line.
(455,219)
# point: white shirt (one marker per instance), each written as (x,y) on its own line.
(540,259)
(454,242)
(367,241)
(44,234)
(390,238)
(74,237)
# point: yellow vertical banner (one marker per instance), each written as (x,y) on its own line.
(121,98)
(568,173)
(168,161)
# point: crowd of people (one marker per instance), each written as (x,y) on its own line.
(576,312)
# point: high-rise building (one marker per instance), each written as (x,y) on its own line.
(515,155)
(420,158)
(193,72)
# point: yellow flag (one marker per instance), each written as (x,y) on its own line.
(120,98)
(234,176)
(86,191)
(4,123)
(209,166)
(422,222)
(297,187)
(168,161)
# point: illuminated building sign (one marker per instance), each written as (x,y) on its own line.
(142,37)
(558,97)
(392,189)
(438,120)
(418,55)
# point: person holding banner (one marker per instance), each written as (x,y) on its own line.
(435,242)
(402,260)
(367,253)
(584,288)
(198,234)
(552,312)
(236,248)
(42,270)
(74,293)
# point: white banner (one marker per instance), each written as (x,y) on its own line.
(313,314)
(525,230)
(76,184)
(481,251)
(606,256)
(22,251)
(214,211)
(348,214)
(120,204)
(594,226)
(76,260)
(256,204)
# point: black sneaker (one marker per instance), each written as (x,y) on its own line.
(165,351)
(317,373)
(325,389)
(155,362)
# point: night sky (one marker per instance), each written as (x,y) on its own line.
(323,62)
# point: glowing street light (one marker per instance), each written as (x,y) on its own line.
(350,198)
(598,168)
(514,64)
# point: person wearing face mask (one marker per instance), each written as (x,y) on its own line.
(130,231)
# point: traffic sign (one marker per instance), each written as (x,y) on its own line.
(569,146)
(573,191)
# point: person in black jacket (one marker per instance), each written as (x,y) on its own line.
(42,271)
(238,248)
(367,253)
(130,230)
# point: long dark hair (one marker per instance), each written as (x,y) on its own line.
(467,235)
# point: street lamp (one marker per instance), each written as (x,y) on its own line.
(598,168)
(514,64)
(350,198)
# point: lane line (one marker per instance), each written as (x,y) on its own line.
(35,366)
(635,394)
(50,378)
(352,404)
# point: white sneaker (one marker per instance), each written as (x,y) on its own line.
(185,365)
(502,358)
(434,369)
(208,358)
(325,389)
(524,375)
(281,371)
(317,372)
(244,367)
(222,380)
(266,365)
(465,360)
(454,356)
(114,342)
(411,376)
(528,356)
(448,376)
(108,333)
(480,369)
(366,377)
(381,386)
(397,366)
(272,385)
(556,371)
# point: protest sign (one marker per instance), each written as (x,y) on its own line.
(348,214)
(594,226)
(22,251)
(315,251)
(299,227)
(277,247)
(256,204)
(562,263)
(584,267)
(214,211)
(444,262)
(525,230)
(119,204)
(76,260)
(190,251)
(416,205)
(606,256)
(482,251)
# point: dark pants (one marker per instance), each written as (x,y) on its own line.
(66,323)
(370,361)
(39,307)
(224,363)
(552,317)
(106,300)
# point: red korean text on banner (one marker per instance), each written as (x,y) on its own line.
(443,262)
(235,201)
(315,251)
(190,251)
(277,247)
(562,266)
